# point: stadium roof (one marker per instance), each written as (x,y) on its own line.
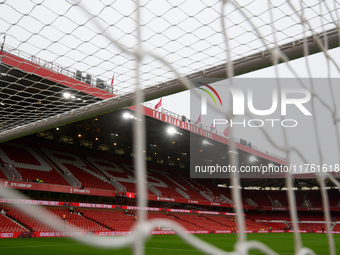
(33,90)
(36,92)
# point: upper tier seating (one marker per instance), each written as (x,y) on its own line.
(258,196)
(86,174)
(30,164)
(100,171)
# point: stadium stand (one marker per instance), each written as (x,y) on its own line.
(172,189)
(191,222)
(98,171)
(275,225)
(30,164)
(76,219)
(112,220)
(87,176)
(312,227)
(278,198)
(259,197)
(124,220)
(71,218)
(188,187)
(336,227)
(26,220)
(8,225)
(221,223)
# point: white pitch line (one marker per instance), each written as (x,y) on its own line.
(35,246)
(53,245)
(150,248)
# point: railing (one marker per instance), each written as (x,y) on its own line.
(203,194)
(154,189)
(251,202)
(204,127)
(8,173)
(182,193)
(14,171)
(117,185)
(69,177)
(226,199)
(69,72)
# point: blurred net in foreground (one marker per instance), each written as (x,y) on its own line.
(99,57)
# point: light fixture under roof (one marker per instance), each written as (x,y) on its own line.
(234,152)
(171,130)
(66,95)
(252,158)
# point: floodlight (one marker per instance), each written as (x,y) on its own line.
(253,158)
(66,95)
(171,130)
(126,115)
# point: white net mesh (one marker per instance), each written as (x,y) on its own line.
(122,47)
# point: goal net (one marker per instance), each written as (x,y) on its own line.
(67,61)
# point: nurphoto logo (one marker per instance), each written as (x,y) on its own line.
(280,99)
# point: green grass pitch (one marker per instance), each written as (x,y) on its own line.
(282,243)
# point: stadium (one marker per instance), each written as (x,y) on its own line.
(124,129)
